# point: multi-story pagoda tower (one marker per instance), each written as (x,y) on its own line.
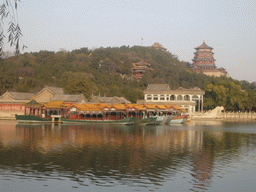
(203,58)
(203,61)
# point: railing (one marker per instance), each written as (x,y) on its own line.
(238,115)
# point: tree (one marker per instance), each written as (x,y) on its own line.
(80,85)
(9,14)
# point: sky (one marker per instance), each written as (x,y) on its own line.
(228,26)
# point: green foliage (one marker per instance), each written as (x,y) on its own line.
(80,85)
(228,93)
(108,71)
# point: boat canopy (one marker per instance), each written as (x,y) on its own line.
(33,103)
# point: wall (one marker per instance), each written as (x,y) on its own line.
(238,115)
(11,106)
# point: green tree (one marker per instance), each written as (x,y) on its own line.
(80,85)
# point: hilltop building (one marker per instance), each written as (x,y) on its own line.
(203,61)
(139,69)
(158,47)
(189,99)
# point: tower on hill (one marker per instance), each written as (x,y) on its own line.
(203,61)
(158,46)
(139,69)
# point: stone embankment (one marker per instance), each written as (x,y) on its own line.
(238,116)
(9,115)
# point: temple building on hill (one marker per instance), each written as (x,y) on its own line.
(204,62)
(139,69)
(158,47)
(161,94)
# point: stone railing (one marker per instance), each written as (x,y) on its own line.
(238,115)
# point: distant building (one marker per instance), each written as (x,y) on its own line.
(139,69)
(158,47)
(108,100)
(189,99)
(204,62)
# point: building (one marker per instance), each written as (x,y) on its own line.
(158,46)
(47,93)
(204,62)
(11,103)
(189,99)
(109,100)
(139,69)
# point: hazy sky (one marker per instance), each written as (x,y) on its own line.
(229,26)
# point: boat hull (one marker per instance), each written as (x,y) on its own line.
(149,121)
(126,121)
(31,119)
(179,120)
(35,119)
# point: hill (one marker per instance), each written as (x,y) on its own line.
(104,70)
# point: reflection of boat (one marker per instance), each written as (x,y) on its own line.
(125,121)
(31,119)
(179,119)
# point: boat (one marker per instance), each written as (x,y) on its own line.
(166,119)
(31,119)
(179,119)
(125,121)
(153,120)
(35,119)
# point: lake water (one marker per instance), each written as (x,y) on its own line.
(198,156)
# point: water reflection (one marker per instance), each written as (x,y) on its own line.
(109,156)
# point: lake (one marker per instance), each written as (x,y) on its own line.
(197,156)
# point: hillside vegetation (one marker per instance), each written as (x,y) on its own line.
(108,71)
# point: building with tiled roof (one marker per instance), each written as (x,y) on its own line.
(204,62)
(158,46)
(13,101)
(16,97)
(47,93)
(69,98)
(161,94)
(139,69)
(108,100)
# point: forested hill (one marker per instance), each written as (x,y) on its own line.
(107,71)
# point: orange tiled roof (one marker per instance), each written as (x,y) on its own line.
(118,106)
(160,106)
(149,106)
(56,104)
